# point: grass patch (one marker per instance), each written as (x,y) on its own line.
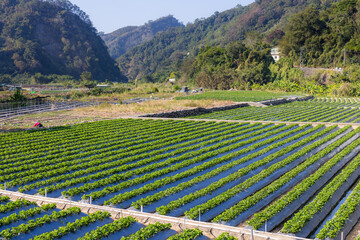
(239,96)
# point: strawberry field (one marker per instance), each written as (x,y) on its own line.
(300,180)
(22,219)
(338,110)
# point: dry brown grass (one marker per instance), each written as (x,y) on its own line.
(155,106)
(49,119)
(104,111)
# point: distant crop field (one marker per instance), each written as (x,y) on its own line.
(231,173)
(238,96)
(337,110)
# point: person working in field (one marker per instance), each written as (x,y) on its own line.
(38,125)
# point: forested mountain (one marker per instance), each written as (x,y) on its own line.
(168,50)
(325,35)
(51,37)
(124,39)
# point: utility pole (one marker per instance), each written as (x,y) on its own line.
(344,56)
(301,51)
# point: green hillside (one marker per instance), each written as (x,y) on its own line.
(124,39)
(168,50)
(51,37)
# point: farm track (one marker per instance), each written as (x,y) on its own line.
(210,229)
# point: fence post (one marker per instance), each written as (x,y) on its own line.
(265,226)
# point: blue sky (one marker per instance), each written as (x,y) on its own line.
(109,15)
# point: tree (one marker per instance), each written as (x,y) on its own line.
(18,96)
(252,39)
(87,82)
(303,31)
(274,36)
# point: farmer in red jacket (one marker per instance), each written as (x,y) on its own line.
(38,125)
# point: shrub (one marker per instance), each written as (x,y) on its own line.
(177,88)
(154,90)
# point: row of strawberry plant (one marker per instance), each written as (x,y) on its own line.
(45,149)
(184,185)
(206,153)
(301,113)
(317,113)
(326,117)
(148,232)
(352,118)
(336,102)
(158,196)
(52,136)
(77,164)
(272,112)
(333,227)
(225,236)
(305,117)
(139,159)
(25,228)
(118,147)
(220,142)
(73,226)
(292,112)
(341,118)
(314,114)
(285,113)
(4,199)
(116,133)
(262,175)
(108,229)
(300,188)
(10,206)
(25,214)
(298,221)
(309,114)
(88,141)
(249,113)
(260,218)
(243,171)
(55,138)
(187,234)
